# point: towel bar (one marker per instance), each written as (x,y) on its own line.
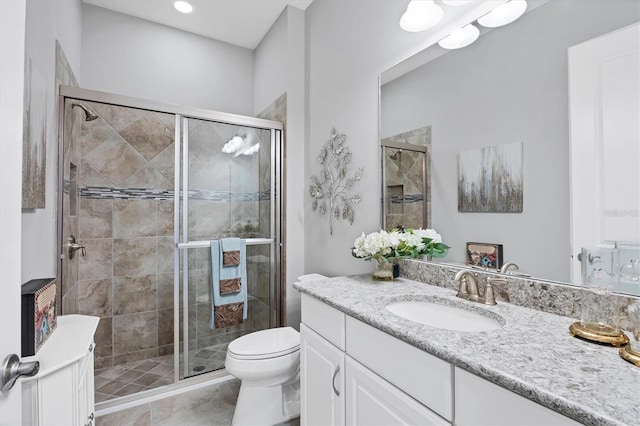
(201,244)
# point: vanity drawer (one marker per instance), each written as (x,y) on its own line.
(421,375)
(324,320)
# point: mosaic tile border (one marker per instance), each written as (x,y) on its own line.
(99,192)
(407,199)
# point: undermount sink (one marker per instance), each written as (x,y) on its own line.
(444,316)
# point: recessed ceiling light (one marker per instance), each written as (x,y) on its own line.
(183,6)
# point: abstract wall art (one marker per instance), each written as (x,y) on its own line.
(490,179)
(34,142)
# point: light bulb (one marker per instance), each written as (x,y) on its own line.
(456,2)
(420,15)
(183,6)
(503,14)
(460,38)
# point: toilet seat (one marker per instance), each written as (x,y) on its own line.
(264,344)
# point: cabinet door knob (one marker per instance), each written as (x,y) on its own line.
(333,380)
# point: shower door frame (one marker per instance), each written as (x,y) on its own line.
(274,241)
(276,291)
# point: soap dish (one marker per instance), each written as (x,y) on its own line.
(630,355)
(599,333)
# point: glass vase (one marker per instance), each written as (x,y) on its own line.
(382,270)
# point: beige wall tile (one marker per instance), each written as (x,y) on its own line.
(134,218)
(98,260)
(134,257)
(94,297)
(134,294)
(134,333)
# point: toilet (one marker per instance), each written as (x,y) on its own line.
(267,362)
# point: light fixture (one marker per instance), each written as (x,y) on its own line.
(504,14)
(420,15)
(460,38)
(456,2)
(183,6)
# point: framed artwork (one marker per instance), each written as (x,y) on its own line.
(34,143)
(490,179)
(486,255)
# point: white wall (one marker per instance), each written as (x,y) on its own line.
(509,86)
(279,68)
(47,21)
(349,45)
(138,58)
(270,77)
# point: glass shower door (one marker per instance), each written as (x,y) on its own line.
(227,190)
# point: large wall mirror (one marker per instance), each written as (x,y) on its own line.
(511,87)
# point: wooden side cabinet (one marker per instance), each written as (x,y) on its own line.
(62,393)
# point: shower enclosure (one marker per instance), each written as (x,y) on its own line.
(144,188)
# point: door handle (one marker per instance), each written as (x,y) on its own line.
(11,369)
(333,381)
(591,258)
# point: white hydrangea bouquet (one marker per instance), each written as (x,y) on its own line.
(383,245)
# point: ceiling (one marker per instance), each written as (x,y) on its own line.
(239,22)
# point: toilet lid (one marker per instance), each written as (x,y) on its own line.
(269,343)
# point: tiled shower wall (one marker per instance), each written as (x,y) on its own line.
(125,221)
(404,180)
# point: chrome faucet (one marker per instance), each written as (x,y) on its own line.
(468,287)
(506,266)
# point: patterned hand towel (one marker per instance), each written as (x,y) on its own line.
(228,282)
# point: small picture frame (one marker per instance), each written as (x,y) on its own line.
(486,255)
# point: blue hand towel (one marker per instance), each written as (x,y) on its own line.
(220,272)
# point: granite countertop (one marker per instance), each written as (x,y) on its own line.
(532,355)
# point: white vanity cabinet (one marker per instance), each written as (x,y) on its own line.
(322,345)
(337,389)
(62,393)
(321,380)
(352,373)
(480,402)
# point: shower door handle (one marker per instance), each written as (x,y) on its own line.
(333,380)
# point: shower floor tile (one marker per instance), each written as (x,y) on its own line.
(133,377)
(137,376)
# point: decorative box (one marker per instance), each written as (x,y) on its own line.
(38,314)
(487,255)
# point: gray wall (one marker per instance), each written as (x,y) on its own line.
(134,57)
(348,47)
(280,68)
(47,21)
(509,86)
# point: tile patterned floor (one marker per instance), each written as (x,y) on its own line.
(137,376)
(211,405)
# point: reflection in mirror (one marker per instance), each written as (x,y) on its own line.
(405,183)
(511,85)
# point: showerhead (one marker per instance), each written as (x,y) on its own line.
(88,114)
(395,155)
